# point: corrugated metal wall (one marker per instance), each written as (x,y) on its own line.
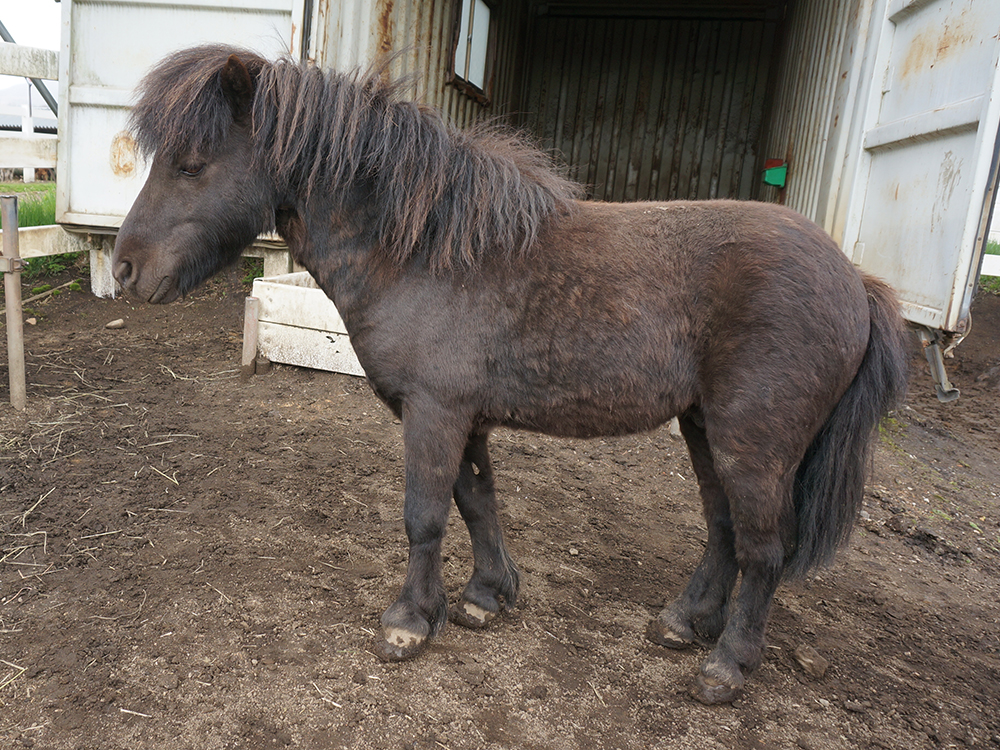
(356,32)
(810,117)
(656,100)
(651,108)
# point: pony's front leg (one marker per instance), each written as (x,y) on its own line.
(495,578)
(433,446)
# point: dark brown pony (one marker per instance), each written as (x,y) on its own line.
(479,291)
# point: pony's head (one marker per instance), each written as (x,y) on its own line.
(204,200)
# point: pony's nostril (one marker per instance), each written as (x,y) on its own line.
(123,272)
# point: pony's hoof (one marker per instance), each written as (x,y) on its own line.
(662,634)
(712,692)
(399,645)
(718,682)
(470,615)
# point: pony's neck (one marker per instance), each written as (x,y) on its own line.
(338,247)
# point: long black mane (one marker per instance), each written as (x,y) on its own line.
(452,195)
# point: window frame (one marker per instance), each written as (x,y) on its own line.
(483,94)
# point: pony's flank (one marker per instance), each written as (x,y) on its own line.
(444,195)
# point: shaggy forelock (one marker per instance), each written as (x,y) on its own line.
(180,104)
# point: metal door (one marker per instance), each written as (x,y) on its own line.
(928,167)
(106,49)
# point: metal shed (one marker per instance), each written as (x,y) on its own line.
(883,114)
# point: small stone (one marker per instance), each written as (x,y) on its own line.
(118,323)
(360,678)
(169,682)
(573,551)
(31,321)
(811,662)
(473,674)
(538,692)
(854,707)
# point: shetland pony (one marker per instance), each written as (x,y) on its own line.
(480,291)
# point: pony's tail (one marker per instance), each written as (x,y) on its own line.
(830,482)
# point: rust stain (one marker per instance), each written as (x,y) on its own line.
(934,45)
(123,153)
(385,26)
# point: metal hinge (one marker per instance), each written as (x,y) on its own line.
(11,265)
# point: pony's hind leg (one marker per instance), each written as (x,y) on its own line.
(761,554)
(495,579)
(757,480)
(433,439)
(698,615)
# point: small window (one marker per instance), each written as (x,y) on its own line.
(472,62)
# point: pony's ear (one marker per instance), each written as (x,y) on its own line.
(237,85)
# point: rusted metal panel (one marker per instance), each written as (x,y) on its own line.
(645,108)
(418,36)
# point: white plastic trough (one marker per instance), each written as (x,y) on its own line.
(299,325)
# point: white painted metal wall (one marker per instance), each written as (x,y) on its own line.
(856,84)
(927,167)
(106,49)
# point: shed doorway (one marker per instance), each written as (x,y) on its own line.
(651,101)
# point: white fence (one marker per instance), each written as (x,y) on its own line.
(27,149)
(991,265)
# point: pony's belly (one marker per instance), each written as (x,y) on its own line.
(589,419)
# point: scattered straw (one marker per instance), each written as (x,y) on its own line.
(323,696)
(166,476)
(9,679)
(24,517)
(135,713)
(230,601)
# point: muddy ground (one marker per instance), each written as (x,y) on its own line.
(193,561)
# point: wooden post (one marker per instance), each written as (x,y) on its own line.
(251,312)
(12,289)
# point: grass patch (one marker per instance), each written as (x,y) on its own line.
(253,268)
(36,207)
(36,202)
(50,265)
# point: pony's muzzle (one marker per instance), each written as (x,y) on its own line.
(128,275)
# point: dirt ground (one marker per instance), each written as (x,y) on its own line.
(194,561)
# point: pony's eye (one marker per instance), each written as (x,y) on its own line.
(192,170)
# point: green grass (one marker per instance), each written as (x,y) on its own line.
(36,207)
(36,202)
(993,247)
(253,268)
